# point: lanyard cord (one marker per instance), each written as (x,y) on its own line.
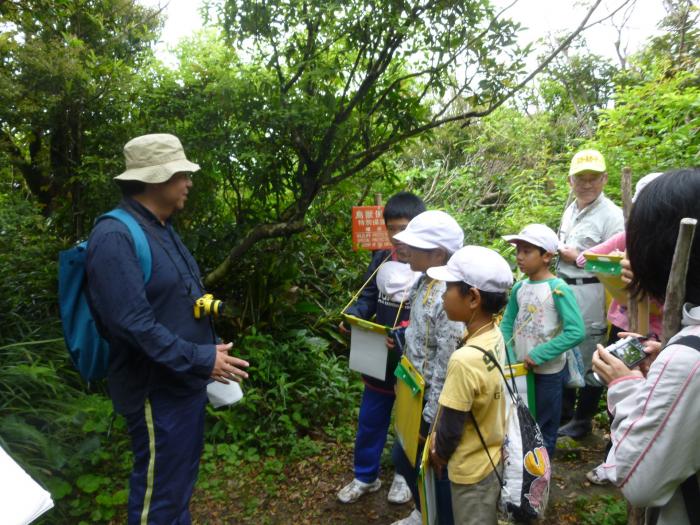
(354,297)
(156,236)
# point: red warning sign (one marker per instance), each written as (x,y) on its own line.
(368,228)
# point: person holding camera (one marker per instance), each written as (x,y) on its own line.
(163,349)
(656,418)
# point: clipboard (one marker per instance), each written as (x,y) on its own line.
(410,388)
(426,487)
(525,384)
(609,272)
(368,351)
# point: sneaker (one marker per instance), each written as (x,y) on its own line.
(399,492)
(576,429)
(351,492)
(596,476)
(414,518)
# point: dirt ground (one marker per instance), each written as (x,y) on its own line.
(305,492)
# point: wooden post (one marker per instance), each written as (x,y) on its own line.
(626,187)
(675,290)
(377,199)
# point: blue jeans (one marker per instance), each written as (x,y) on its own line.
(372,428)
(167,437)
(442,485)
(548,397)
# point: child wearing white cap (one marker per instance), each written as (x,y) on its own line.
(432,237)
(478,280)
(541,322)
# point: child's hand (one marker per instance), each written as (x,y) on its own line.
(343,329)
(390,344)
(438,463)
(529,363)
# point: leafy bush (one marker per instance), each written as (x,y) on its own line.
(296,388)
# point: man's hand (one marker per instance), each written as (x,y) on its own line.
(568,254)
(390,343)
(227,367)
(608,367)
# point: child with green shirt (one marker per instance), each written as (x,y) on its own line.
(541,322)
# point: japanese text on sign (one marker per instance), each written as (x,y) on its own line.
(368,229)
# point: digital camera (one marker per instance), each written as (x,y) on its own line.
(207,305)
(629,350)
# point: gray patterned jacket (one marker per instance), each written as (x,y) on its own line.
(430,339)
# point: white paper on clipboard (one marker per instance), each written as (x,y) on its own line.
(368,352)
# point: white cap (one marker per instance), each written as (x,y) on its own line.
(642,183)
(480,267)
(395,279)
(432,229)
(540,235)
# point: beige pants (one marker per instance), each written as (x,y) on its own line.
(476,504)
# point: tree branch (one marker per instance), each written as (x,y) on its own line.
(262,231)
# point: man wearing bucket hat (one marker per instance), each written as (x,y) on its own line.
(432,237)
(161,356)
(590,219)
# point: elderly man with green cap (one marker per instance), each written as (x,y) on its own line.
(162,355)
(590,219)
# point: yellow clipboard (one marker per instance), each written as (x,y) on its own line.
(609,272)
(367,325)
(426,487)
(524,382)
(410,387)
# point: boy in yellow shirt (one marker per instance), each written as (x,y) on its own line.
(477,283)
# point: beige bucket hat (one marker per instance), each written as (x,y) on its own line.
(155,158)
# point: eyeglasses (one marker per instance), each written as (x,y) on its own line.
(588,180)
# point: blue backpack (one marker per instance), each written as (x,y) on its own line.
(88,349)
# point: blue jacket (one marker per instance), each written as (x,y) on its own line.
(155,341)
(371,303)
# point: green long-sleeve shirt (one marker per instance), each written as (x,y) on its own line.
(542,320)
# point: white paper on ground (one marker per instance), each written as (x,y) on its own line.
(221,394)
(368,352)
(22,500)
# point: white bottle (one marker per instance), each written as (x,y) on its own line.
(221,394)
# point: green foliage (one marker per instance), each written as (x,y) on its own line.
(654,126)
(65,82)
(605,510)
(296,388)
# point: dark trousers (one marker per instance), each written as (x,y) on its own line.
(442,485)
(167,438)
(548,398)
(372,428)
